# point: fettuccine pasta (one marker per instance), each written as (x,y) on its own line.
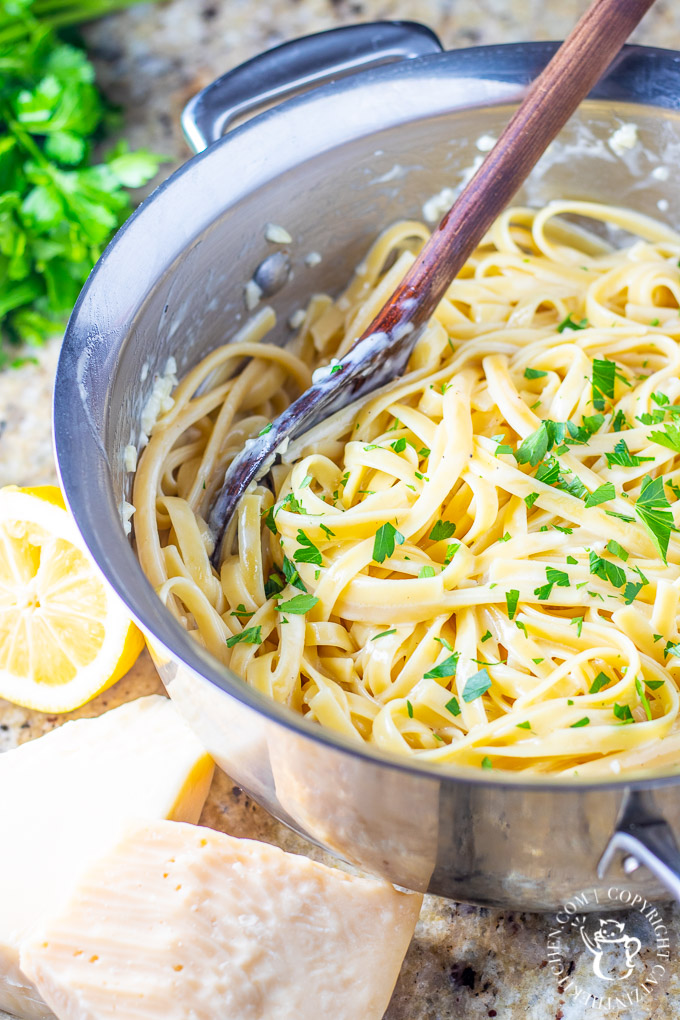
(478,564)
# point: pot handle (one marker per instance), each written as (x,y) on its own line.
(297,66)
(644,838)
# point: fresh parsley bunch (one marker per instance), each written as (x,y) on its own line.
(57,208)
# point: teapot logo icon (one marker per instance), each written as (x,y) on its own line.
(609,937)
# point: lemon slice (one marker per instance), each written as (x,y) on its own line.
(64,635)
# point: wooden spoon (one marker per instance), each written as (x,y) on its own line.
(381,353)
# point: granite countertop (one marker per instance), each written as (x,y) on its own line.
(464,961)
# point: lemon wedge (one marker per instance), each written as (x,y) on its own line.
(64,634)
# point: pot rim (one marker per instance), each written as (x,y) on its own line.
(487,76)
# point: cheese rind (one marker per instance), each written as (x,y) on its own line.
(182,921)
(67,797)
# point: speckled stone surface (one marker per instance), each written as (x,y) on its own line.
(464,961)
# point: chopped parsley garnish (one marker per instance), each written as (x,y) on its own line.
(617,550)
(531,499)
(538,661)
(265,430)
(581,722)
(623,457)
(299,604)
(623,713)
(607,570)
(655,513)
(452,706)
(274,585)
(654,684)
(241,612)
(524,725)
(619,421)
(672,648)
(486,762)
(476,685)
(511,600)
(385,539)
(249,636)
(569,323)
(553,577)
(574,486)
(670,437)
(399,445)
(572,561)
(534,448)
(327,531)
(409,709)
(442,530)
(534,373)
(445,643)
(578,620)
(506,537)
(308,552)
(426,571)
(269,520)
(549,471)
(600,681)
(445,669)
(291,574)
(631,591)
(451,551)
(601,494)
(603,382)
(485,637)
(643,698)
(424,452)
(384,633)
(306,481)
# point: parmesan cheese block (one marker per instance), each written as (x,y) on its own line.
(67,798)
(181,921)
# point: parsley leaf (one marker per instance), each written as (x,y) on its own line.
(298,605)
(308,553)
(581,722)
(399,445)
(511,600)
(643,697)
(384,633)
(655,513)
(670,437)
(476,685)
(607,570)
(385,538)
(569,323)
(445,669)
(274,585)
(623,457)
(600,681)
(617,550)
(603,382)
(452,706)
(442,530)
(249,636)
(601,494)
(534,373)
(291,574)
(578,620)
(623,713)
(524,725)
(426,571)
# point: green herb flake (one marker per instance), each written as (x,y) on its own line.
(538,661)
(452,706)
(617,550)
(249,636)
(399,445)
(569,323)
(290,572)
(298,605)
(308,552)
(531,499)
(385,539)
(672,648)
(486,762)
(600,681)
(476,685)
(603,382)
(426,571)
(622,456)
(384,633)
(534,373)
(241,612)
(644,701)
(265,430)
(654,684)
(511,600)
(274,585)
(524,725)
(409,709)
(451,551)
(670,437)
(486,636)
(445,669)
(327,531)
(655,513)
(577,621)
(601,494)
(623,713)
(581,722)
(442,530)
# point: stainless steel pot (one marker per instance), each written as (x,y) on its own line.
(395,121)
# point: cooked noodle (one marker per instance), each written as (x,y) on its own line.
(478,564)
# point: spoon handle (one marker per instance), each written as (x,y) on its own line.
(552,98)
